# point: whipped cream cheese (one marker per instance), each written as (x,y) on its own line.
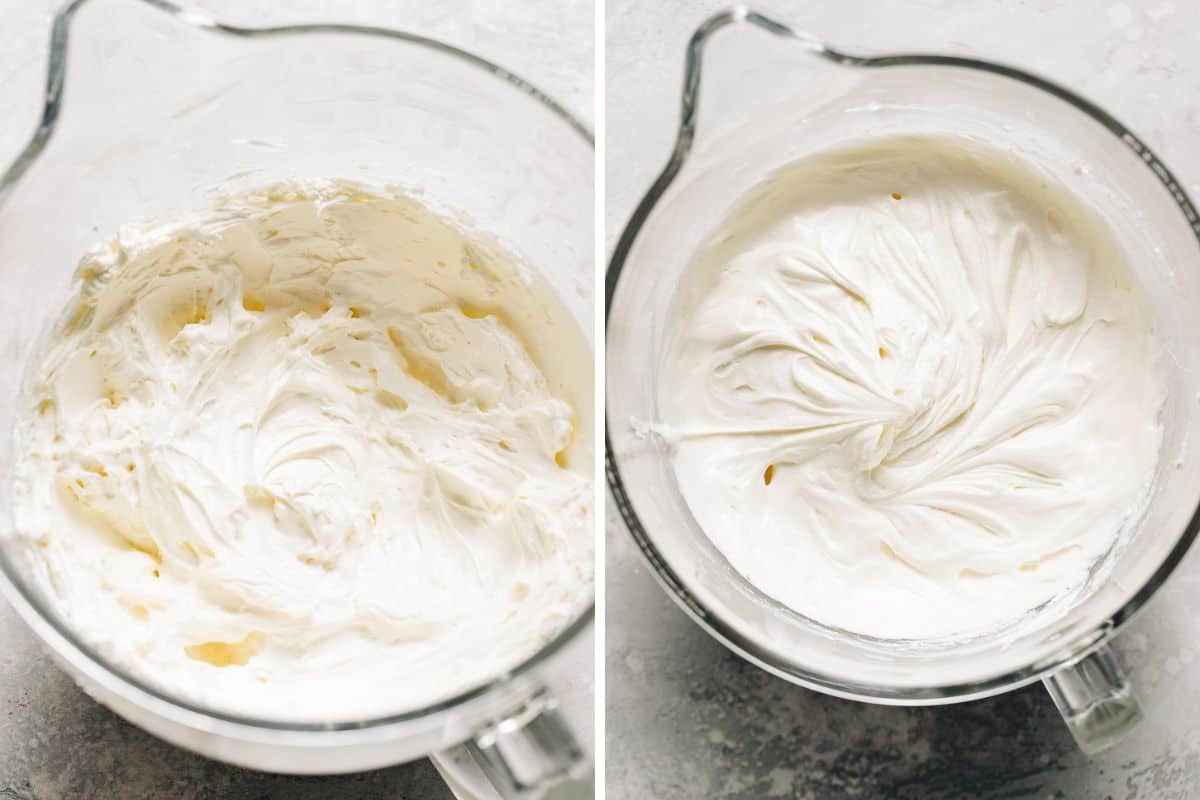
(317,453)
(912,389)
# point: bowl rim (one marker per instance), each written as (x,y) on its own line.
(49,627)
(670,580)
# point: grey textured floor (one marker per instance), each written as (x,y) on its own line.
(688,719)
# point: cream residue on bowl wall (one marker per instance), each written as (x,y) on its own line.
(318,453)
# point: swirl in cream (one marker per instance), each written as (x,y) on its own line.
(913,388)
(297,456)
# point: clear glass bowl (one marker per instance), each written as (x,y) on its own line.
(770,95)
(149,109)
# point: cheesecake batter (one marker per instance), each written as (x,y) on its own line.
(912,389)
(318,453)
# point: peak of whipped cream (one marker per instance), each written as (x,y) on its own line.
(912,389)
(316,453)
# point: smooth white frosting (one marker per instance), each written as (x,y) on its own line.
(912,389)
(317,453)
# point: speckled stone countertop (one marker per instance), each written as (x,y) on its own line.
(55,742)
(688,719)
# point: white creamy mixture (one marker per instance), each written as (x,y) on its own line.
(316,453)
(912,389)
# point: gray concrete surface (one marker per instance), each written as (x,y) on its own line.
(686,718)
(55,742)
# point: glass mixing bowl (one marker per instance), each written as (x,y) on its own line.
(162,108)
(770,95)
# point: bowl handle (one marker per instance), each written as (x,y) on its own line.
(529,753)
(1095,699)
